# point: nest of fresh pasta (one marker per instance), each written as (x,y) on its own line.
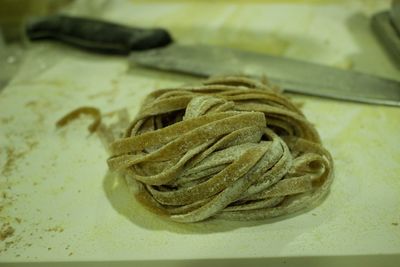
(231,148)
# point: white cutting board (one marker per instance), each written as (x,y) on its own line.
(64,206)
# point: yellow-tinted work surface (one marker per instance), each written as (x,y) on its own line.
(59,203)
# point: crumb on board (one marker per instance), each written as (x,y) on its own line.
(395,223)
(13,156)
(6,231)
(57,229)
(6,120)
(10,162)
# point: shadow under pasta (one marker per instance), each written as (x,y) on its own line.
(125,203)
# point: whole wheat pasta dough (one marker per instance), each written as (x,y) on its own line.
(230,148)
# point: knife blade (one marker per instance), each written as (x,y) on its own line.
(152,48)
(291,75)
(395,14)
(386,26)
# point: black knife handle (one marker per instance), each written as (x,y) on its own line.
(96,34)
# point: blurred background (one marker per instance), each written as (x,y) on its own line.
(300,29)
(13,16)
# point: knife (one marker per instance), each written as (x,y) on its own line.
(153,48)
(386,26)
(96,35)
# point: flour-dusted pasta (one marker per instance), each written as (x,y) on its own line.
(232,148)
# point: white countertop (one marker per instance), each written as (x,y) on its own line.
(64,206)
